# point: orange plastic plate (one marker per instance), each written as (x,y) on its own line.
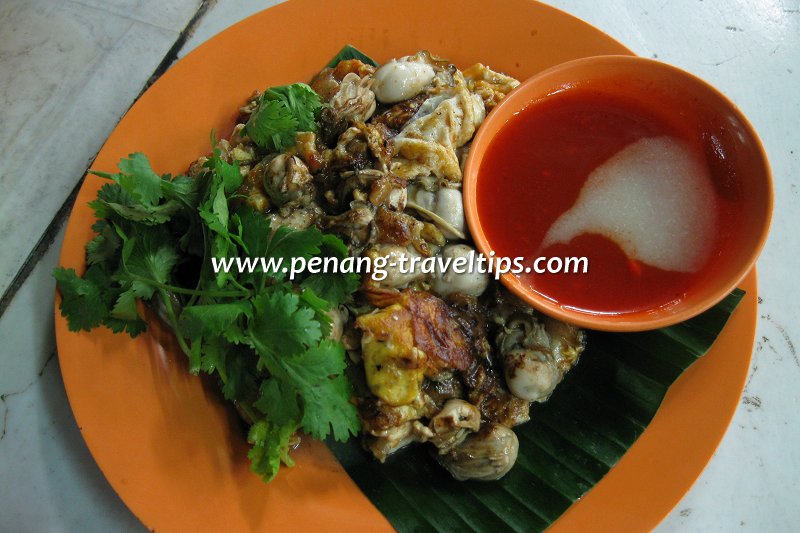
(166,441)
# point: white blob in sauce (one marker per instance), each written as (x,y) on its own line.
(654,198)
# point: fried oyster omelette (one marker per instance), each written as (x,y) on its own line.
(451,360)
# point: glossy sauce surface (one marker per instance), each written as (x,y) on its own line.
(534,171)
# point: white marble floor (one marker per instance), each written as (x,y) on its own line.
(69,69)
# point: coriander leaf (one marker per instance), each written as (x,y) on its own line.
(109,192)
(86,302)
(281,113)
(151,255)
(288,243)
(272,126)
(279,401)
(215,212)
(270,448)
(229,173)
(310,298)
(334,246)
(104,246)
(185,190)
(327,409)
(131,327)
(219,207)
(335,287)
(256,232)
(280,327)
(82,303)
(321,308)
(301,100)
(220,247)
(211,320)
(323,360)
(112,200)
(326,393)
(195,356)
(137,179)
(256,235)
(152,216)
(214,355)
(242,383)
(235,334)
(125,306)
(188,192)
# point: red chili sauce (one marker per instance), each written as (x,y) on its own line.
(533,172)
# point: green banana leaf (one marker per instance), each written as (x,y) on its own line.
(350,52)
(571,442)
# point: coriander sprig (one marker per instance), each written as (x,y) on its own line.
(264,338)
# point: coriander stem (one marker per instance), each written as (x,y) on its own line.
(240,286)
(174,322)
(191,292)
(248,410)
(203,266)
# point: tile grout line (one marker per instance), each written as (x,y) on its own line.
(172,54)
(48,236)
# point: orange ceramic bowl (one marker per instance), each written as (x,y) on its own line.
(706,114)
